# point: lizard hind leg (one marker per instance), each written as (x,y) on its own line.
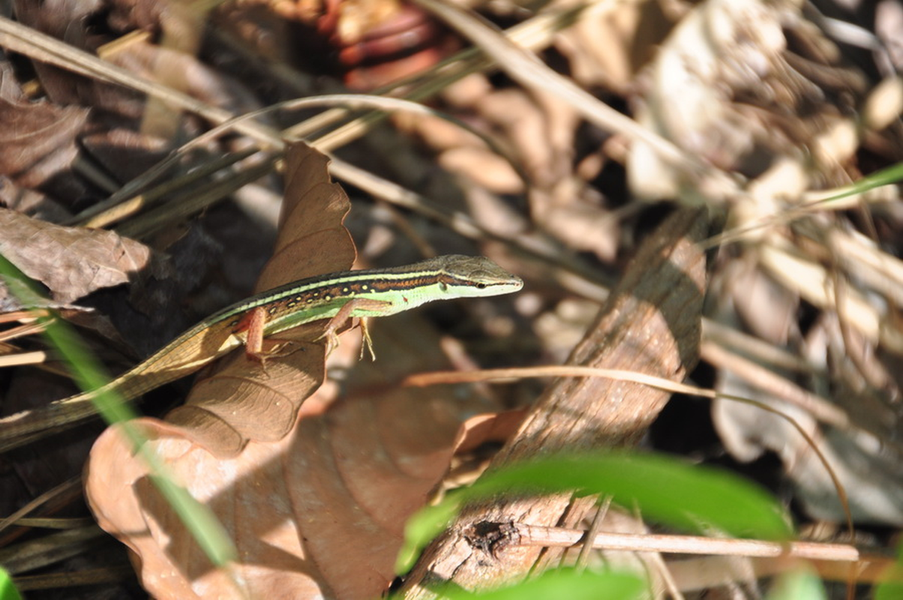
(347,312)
(254,323)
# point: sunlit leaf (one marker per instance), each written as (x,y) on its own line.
(665,490)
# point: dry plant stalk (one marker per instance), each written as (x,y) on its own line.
(650,324)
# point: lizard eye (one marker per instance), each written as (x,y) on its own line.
(481,286)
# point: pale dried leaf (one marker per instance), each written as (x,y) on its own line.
(608,45)
(484,167)
(724,86)
(71,262)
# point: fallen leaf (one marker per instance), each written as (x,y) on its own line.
(236,404)
(38,138)
(314,497)
(72,262)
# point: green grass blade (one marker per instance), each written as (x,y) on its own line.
(564,583)
(666,490)
(8,590)
(203,525)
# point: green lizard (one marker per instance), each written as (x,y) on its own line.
(336,296)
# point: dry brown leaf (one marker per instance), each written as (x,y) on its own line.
(362,468)
(312,240)
(66,20)
(71,262)
(127,132)
(168,562)
(495,427)
(320,510)
(38,138)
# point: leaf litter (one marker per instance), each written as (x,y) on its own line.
(315,490)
